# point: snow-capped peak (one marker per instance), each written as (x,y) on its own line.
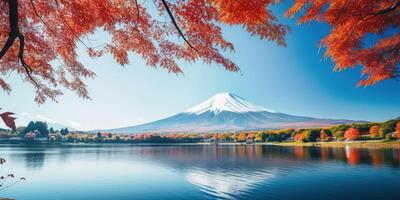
(226,102)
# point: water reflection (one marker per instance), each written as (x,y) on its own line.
(215,171)
(205,156)
(227,183)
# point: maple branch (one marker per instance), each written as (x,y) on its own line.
(14,34)
(138,14)
(371,15)
(386,10)
(176,25)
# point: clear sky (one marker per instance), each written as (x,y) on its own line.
(294,80)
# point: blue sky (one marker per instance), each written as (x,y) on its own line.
(294,80)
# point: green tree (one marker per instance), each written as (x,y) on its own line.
(51,130)
(42,128)
(29,128)
(387,127)
(363,128)
(338,131)
(64,131)
(311,135)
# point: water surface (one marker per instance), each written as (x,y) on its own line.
(122,172)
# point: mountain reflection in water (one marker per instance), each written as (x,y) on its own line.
(199,171)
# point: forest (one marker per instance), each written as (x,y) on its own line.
(40,132)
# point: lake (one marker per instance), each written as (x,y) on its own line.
(122,172)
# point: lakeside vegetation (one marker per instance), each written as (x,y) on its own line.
(385,134)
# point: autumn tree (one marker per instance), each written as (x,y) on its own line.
(298,137)
(398,129)
(241,137)
(351,23)
(352,134)
(374,131)
(41,37)
(323,135)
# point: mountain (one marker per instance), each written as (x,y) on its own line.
(227,112)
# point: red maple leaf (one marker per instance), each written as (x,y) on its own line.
(8,119)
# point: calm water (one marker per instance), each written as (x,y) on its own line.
(200,172)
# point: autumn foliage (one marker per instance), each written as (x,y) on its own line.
(323,135)
(351,22)
(374,131)
(298,137)
(41,37)
(352,134)
(178,31)
(398,129)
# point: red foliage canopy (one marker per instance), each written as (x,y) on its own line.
(298,137)
(51,31)
(352,134)
(48,33)
(351,22)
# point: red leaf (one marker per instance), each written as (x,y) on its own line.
(8,120)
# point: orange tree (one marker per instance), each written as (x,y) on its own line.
(398,129)
(323,135)
(374,131)
(352,134)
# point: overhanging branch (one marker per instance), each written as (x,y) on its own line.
(176,24)
(14,34)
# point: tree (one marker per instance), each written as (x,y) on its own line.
(398,129)
(298,137)
(387,128)
(311,134)
(374,131)
(100,136)
(29,128)
(242,137)
(261,136)
(42,128)
(64,131)
(363,128)
(323,135)
(351,22)
(38,33)
(352,134)
(51,130)
(338,131)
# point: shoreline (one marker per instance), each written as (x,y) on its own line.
(355,144)
(338,144)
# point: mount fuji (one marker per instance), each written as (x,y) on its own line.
(227,112)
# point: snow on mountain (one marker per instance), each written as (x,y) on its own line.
(227,112)
(225,102)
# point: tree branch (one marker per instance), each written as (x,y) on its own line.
(176,25)
(15,33)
